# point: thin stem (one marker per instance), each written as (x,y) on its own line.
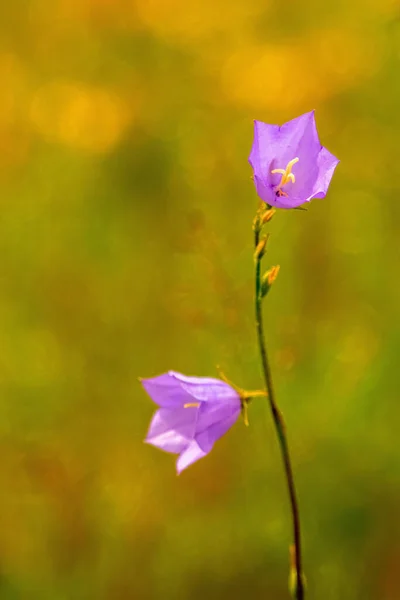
(278,421)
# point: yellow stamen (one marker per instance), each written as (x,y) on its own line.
(287,175)
(191,405)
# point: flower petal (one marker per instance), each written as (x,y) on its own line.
(263,151)
(213,421)
(172,430)
(327,164)
(192,453)
(266,192)
(287,202)
(298,137)
(173,389)
(166,391)
(307,150)
(208,389)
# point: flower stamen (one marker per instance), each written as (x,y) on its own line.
(191,405)
(287,176)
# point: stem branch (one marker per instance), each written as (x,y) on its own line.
(278,420)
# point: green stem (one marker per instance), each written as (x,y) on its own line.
(278,422)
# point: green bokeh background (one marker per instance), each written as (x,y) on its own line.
(126,250)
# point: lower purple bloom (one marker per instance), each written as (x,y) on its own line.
(194,412)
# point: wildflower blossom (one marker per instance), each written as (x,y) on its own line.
(194,412)
(289,164)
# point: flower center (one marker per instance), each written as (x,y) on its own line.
(287,176)
(191,405)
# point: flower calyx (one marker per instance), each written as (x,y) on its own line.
(245,396)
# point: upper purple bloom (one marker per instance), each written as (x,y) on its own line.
(290,166)
(194,412)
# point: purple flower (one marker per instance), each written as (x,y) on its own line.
(194,412)
(290,166)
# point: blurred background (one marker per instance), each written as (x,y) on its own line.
(126,251)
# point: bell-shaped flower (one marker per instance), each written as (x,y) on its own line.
(290,166)
(194,412)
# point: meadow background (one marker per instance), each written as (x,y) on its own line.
(126,250)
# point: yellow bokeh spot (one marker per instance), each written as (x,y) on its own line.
(80,116)
(188,21)
(14,137)
(343,57)
(295,75)
(257,76)
(13,83)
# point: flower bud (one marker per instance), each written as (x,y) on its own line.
(267,216)
(268,279)
(260,250)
